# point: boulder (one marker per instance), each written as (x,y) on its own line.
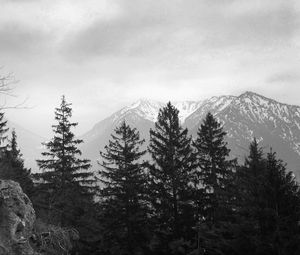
(17,217)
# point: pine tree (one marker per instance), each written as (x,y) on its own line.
(282,213)
(254,162)
(4,168)
(12,166)
(279,209)
(3,134)
(252,177)
(215,169)
(124,206)
(269,202)
(13,146)
(170,173)
(66,181)
(250,203)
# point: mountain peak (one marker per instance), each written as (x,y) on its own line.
(144,102)
(186,108)
(249,94)
(260,99)
(148,109)
(244,117)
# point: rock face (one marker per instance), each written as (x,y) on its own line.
(16,220)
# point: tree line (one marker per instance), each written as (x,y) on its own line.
(191,197)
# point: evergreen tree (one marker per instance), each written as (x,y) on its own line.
(215,170)
(269,204)
(254,163)
(214,189)
(124,206)
(66,181)
(13,146)
(282,212)
(12,166)
(250,202)
(3,134)
(173,157)
(4,169)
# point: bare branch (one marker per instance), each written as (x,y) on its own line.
(7,85)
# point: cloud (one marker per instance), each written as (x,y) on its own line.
(288,77)
(161,28)
(106,53)
(32,20)
(267,27)
(18,40)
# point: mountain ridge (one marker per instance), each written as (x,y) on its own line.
(245,116)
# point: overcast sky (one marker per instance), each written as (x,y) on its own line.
(106,54)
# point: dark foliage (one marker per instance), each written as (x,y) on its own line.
(11,161)
(214,193)
(65,187)
(187,200)
(171,175)
(12,166)
(3,133)
(124,198)
(268,212)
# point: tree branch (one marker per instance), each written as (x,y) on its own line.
(7,85)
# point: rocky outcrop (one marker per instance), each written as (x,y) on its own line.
(17,217)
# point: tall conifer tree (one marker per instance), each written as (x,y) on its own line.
(252,177)
(13,146)
(66,180)
(215,194)
(251,202)
(4,170)
(215,169)
(173,157)
(3,133)
(124,203)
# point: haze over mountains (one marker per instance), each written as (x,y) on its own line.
(249,115)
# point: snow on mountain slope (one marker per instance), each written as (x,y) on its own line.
(141,114)
(244,117)
(275,125)
(140,111)
(186,108)
(213,105)
(147,109)
(277,119)
(280,119)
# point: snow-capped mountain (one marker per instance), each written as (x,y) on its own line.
(249,115)
(186,108)
(147,109)
(274,124)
